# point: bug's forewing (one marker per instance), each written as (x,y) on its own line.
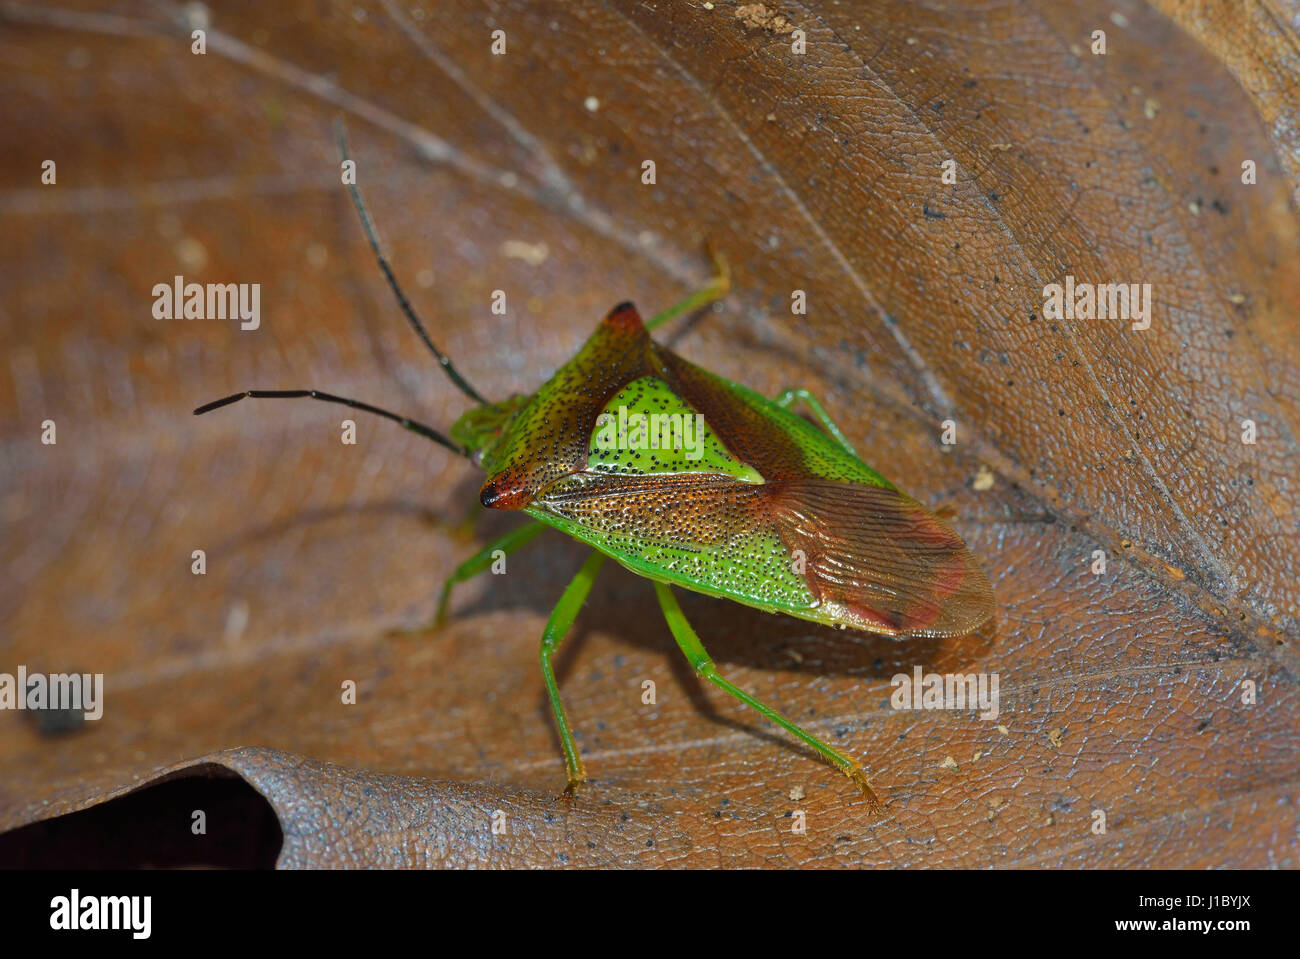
(823,536)
(832,552)
(879,560)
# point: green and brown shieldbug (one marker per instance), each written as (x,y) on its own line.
(770,511)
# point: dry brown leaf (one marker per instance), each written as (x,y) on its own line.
(818,172)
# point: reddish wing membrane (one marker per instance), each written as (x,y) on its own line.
(880,561)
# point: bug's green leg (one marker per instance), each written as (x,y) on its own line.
(715,290)
(786,400)
(562,617)
(483,559)
(699,658)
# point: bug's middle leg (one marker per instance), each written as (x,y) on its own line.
(562,617)
(788,398)
(699,658)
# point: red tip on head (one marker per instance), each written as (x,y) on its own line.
(504,491)
(624,318)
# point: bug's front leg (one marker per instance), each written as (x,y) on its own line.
(699,658)
(562,617)
(484,558)
(787,399)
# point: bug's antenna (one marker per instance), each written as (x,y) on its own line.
(367,225)
(426,431)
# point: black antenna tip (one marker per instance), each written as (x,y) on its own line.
(217,404)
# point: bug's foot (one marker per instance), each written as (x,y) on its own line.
(440,616)
(426,629)
(570,790)
(946,511)
(860,780)
(721,268)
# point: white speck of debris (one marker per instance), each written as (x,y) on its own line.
(983,479)
(707,5)
(191,253)
(534,254)
(196,16)
(796,793)
(948,763)
(1004,731)
(508,180)
(1119,20)
(592,104)
(236,621)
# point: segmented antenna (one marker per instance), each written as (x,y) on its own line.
(427,432)
(402,301)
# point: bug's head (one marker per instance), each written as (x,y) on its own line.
(481,428)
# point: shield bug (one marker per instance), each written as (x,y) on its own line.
(745,500)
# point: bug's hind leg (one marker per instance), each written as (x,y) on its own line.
(483,559)
(715,289)
(788,398)
(699,658)
(562,617)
